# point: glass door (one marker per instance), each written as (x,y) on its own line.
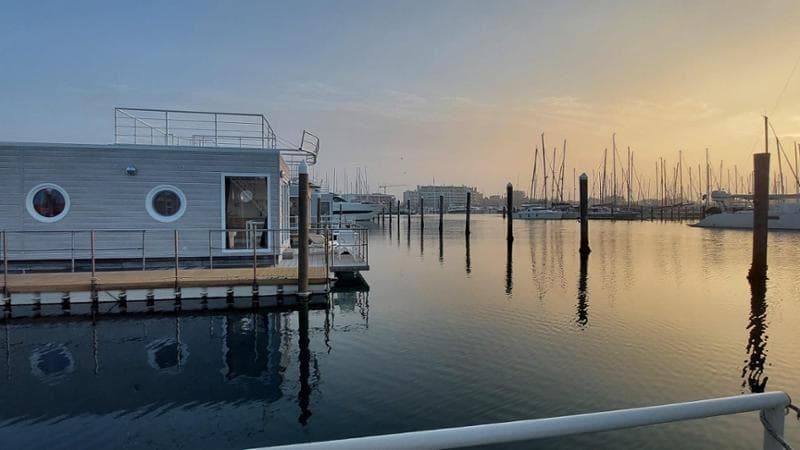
(246,212)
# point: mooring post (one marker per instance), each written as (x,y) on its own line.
(175,252)
(421,215)
(504,212)
(398,218)
(5,262)
(302,232)
(469,209)
(383,215)
(509,212)
(390,215)
(408,213)
(758,269)
(94,274)
(441,214)
(584,193)
(319,215)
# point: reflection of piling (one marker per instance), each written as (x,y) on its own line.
(509,269)
(468,262)
(584,193)
(469,210)
(753,372)
(302,231)
(441,213)
(304,396)
(758,269)
(583,306)
(509,209)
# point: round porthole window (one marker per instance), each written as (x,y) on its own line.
(47,203)
(165,203)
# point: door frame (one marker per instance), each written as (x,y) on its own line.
(223,208)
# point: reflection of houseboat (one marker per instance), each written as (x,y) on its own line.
(218,178)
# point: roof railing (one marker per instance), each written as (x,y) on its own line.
(772,407)
(192,128)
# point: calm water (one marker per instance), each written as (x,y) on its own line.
(451,333)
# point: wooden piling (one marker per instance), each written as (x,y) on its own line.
(398,216)
(319,215)
(421,214)
(584,195)
(302,232)
(504,212)
(758,269)
(408,214)
(510,209)
(468,211)
(441,214)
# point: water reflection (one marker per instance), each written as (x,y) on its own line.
(304,396)
(509,257)
(441,246)
(171,361)
(468,262)
(582,317)
(753,377)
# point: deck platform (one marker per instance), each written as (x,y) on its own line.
(28,288)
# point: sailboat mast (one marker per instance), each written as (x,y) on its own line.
(563,160)
(604,186)
(532,190)
(614,171)
(544,170)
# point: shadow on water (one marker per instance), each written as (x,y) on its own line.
(509,270)
(582,316)
(753,377)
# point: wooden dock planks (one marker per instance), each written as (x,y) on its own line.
(155,279)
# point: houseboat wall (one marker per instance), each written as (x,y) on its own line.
(107,189)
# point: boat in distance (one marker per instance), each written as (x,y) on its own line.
(537,212)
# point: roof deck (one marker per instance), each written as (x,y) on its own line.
(174,127)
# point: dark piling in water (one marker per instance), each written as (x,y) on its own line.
(408,213)
(421,215)
(441,214)
(302,232)
(468,211)
(758,269)
(398,215)
(319,215)
(510,209)
(584,194)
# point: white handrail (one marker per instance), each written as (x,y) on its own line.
(772,403)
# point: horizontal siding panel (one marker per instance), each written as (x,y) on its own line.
(103,196)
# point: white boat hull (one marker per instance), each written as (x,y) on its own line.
(540,214)
(785,217)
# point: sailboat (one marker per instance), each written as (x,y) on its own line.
(736,211)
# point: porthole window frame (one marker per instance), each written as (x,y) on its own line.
(35,214)
(148,203)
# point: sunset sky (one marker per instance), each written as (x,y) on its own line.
(458,91)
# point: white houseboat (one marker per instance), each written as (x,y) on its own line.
(218,180)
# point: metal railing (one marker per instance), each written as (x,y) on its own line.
(772,406)
(150,249)
(192,128)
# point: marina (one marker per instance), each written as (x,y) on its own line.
(405,226)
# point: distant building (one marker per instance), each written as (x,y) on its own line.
(453,196)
